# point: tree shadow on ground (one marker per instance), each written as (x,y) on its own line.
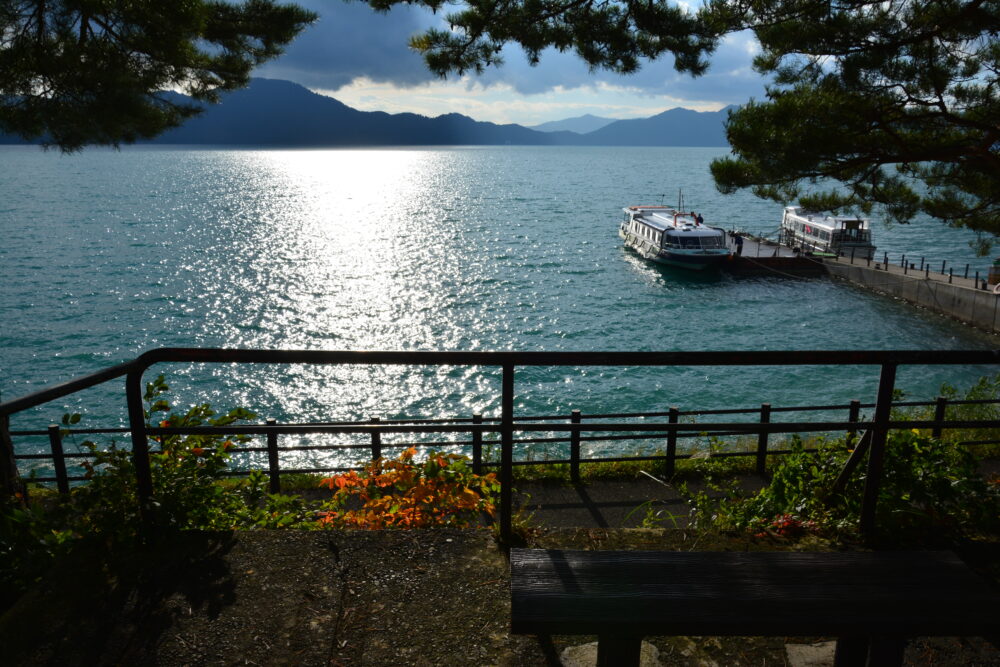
(103,608)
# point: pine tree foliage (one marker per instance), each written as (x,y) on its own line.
(78,72)
(888,103)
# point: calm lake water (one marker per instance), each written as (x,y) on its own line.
(106,254)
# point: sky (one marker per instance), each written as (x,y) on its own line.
(362,58)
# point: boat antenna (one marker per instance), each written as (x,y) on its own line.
(680,199)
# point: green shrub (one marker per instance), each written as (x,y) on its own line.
(927,486)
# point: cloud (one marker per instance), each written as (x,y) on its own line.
(353,51)
(351,41)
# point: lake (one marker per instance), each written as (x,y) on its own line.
(106,254)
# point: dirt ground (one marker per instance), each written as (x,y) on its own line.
(428,597)
(432,597)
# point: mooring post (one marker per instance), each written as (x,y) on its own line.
(58,458)
(672,442)
(876,452)
(506,452)
(273,470)
(765,418)
(477,446)
(574,448)
(966,271)
(951,272)
(939,410)
(921,263)
(376,441)
(942,266)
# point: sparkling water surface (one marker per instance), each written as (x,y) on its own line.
(106,254)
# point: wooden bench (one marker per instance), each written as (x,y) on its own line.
(872,602)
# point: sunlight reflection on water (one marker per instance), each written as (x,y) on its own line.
(422,249)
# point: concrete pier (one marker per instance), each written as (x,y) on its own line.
(957,297)
(764,257)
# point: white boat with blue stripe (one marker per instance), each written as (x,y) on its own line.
(668,236)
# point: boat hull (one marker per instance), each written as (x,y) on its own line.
(692,260)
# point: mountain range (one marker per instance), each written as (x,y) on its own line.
(271,112)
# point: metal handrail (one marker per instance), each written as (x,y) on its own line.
(507,361)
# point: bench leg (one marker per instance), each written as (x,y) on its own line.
(869,652)
(886,652)
(851,652)
(616,651)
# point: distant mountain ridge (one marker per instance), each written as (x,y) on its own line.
(579,124)
(273,112)
(270,112)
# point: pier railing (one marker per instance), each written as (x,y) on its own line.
(499,431)
(919,265)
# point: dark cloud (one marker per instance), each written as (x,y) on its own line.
(730,80)
(351,41)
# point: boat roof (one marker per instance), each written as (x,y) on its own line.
(824,219)
(662,219)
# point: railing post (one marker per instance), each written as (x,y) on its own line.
(672,442)
(876,451)
(853,415)
(272,459)
(477,446)
(140,442)
(10,480)
(506,453)
(939,409)
(58,459)
(765,418)
(376,441)
(574,448)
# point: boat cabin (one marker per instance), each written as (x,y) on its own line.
(813,232)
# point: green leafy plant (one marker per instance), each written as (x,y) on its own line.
(927,487)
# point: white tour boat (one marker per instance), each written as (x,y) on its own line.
(668,236)
(812,232)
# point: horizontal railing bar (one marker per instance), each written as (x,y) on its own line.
(55,391)
(741,427)
(538,358)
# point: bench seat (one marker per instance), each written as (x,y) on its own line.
(622,596)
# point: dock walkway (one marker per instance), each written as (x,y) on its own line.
(766,257)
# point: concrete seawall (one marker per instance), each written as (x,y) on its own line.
(960,298)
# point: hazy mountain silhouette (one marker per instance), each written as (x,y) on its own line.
(674,127)
(579,124)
